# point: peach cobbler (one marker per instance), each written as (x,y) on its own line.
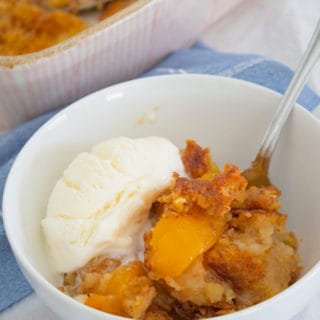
(28,26)
(214,246)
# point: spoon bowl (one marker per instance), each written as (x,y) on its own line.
(177,107)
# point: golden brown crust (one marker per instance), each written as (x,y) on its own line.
(260,198)
(254,221)
(196,160)
(234,265)
(256,255)
(214,195)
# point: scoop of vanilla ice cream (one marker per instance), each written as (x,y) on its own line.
(102,202)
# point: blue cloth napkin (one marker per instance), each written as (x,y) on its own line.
(197,59)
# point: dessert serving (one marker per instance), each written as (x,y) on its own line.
(141,230)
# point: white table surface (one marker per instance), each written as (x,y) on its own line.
(279,29)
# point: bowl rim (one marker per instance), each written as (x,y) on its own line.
(10,182)
(76,40)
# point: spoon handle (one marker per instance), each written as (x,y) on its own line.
(304,69)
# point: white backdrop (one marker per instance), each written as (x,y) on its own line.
(279,29)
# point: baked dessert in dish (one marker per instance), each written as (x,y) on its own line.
(27,26)
(213,247)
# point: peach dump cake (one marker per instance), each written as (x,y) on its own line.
(175,237)
(28,26)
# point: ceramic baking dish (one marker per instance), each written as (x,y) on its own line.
(116,49)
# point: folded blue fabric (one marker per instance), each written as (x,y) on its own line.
(197,59)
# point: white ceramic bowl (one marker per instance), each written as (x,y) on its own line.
(228,115)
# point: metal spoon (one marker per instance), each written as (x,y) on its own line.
(257,175)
